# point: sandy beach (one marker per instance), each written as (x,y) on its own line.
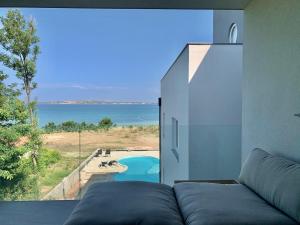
(135,138)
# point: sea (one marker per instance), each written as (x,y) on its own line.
(120,114)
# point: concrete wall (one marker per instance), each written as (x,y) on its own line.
(174,94)
(271,94)
(69,187)
(215,111)
(222,21)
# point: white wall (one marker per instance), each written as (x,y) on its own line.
(174,95)
(202,90)
(215,111)
(222,21)
(271,94)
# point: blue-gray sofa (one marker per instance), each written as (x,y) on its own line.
(268,193)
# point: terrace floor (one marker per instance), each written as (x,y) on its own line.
(35,212)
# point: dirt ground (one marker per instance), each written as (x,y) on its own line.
(135,138)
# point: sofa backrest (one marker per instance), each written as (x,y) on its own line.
(275,179)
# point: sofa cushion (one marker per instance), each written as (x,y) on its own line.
(275,179)
(127,203)
(218,204)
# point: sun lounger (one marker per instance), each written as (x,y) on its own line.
(103,164)
(99,152)
(112,163)
(107,153)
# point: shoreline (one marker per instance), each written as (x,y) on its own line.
(125,125)
(96,103)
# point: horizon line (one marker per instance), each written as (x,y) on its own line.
(95,102)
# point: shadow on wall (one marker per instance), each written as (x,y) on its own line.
(215,98)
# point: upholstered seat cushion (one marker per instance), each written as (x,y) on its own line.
(127,203)
(275,179)
(217,204)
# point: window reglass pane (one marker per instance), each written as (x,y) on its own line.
(233,33)
(86,109)
(175,141)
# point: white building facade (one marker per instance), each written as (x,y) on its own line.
(201,103)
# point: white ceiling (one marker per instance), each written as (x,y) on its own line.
(125,4)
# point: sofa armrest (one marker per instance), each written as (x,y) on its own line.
(208,181)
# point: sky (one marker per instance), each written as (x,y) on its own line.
(116,55)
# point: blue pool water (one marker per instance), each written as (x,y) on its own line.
(139,169)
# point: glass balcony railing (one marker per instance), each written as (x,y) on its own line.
(100,156)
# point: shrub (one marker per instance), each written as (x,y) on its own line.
(72,126)
(105,123)
(48,157)
(50,127)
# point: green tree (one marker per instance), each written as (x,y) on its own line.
(105,123)
(20,50)
(70,126)
(15,173)
(50,127)
(20,140)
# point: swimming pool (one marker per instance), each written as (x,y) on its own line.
(144,168)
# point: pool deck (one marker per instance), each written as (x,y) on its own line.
(93,168)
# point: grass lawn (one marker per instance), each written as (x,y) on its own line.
(56,172)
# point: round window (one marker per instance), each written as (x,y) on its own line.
(233,33)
